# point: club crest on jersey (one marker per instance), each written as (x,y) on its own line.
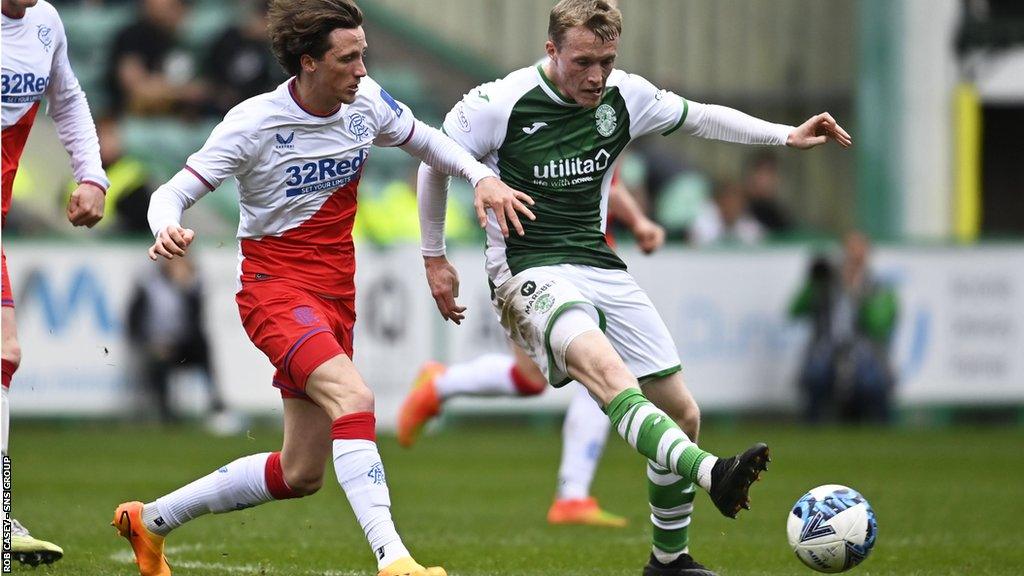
(605,120)
(376,474)
(284,143)
(45,35)
(357,126)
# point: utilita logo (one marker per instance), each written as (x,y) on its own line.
(570,167)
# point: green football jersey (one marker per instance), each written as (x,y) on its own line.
(562,155)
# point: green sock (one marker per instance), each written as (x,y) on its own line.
(652,433)
(671,500)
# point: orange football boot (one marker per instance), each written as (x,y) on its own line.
(409,567)
(420,405)
(148,547)
(583,511)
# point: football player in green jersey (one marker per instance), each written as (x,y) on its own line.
(554,131)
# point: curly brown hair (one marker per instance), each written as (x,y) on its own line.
(599,16)
(298,27)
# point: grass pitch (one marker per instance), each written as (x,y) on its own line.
(474,500)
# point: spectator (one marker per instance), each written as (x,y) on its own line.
(149,71)
(167,331)
(726,219)
(240,64)
(847,369)
(762,182)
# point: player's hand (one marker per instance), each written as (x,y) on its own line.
(443,280)
(85,208)
(493,194)
(172,241)
(818,130)
(649,235)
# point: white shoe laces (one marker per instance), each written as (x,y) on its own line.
(17,529)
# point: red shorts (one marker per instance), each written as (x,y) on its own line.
(297,329)
(8,295)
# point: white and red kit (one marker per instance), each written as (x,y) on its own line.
(298,174)
(35,66)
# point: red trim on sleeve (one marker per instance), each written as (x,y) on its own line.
(409,137)
(94,183)
(201,179)
(357,426)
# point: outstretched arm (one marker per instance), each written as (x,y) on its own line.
(723,123)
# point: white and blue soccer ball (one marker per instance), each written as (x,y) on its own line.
(832,528)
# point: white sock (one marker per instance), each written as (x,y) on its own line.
(488,375)
(583,437)
(361,475)
(240,484)
(704,472)
(668,557)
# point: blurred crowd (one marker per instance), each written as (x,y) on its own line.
(160,73)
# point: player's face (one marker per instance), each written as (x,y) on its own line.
(17,7)
(581,65)
(339,71)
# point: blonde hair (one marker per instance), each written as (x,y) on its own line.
(601,17)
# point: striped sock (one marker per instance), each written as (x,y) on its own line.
(671,500)
(652,433)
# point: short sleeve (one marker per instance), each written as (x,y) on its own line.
(652,110)
(394,119)
(475,123)
(231,146)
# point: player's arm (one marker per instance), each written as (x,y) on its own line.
(723,123)
(70,112)
(448,158)
(661,111)
(623,207)
(230,148)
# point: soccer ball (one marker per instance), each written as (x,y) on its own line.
(832,528)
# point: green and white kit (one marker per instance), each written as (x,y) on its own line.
(563,156)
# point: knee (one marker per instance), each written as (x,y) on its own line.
(338,397)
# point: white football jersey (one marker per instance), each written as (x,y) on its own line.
(35,65)
(297,176)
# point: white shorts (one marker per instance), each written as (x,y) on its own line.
(530,302)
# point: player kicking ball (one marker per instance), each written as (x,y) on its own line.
(554,131)
(297,154)
(585,429)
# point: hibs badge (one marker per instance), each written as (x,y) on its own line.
(605,119)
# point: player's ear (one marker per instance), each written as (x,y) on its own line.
(550,49)
(308,63)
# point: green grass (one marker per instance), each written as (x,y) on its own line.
(474,500)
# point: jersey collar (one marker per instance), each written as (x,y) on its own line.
(295,98)
(552,91)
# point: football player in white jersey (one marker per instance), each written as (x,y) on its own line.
(35,66)
(297,154)
(555,131)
